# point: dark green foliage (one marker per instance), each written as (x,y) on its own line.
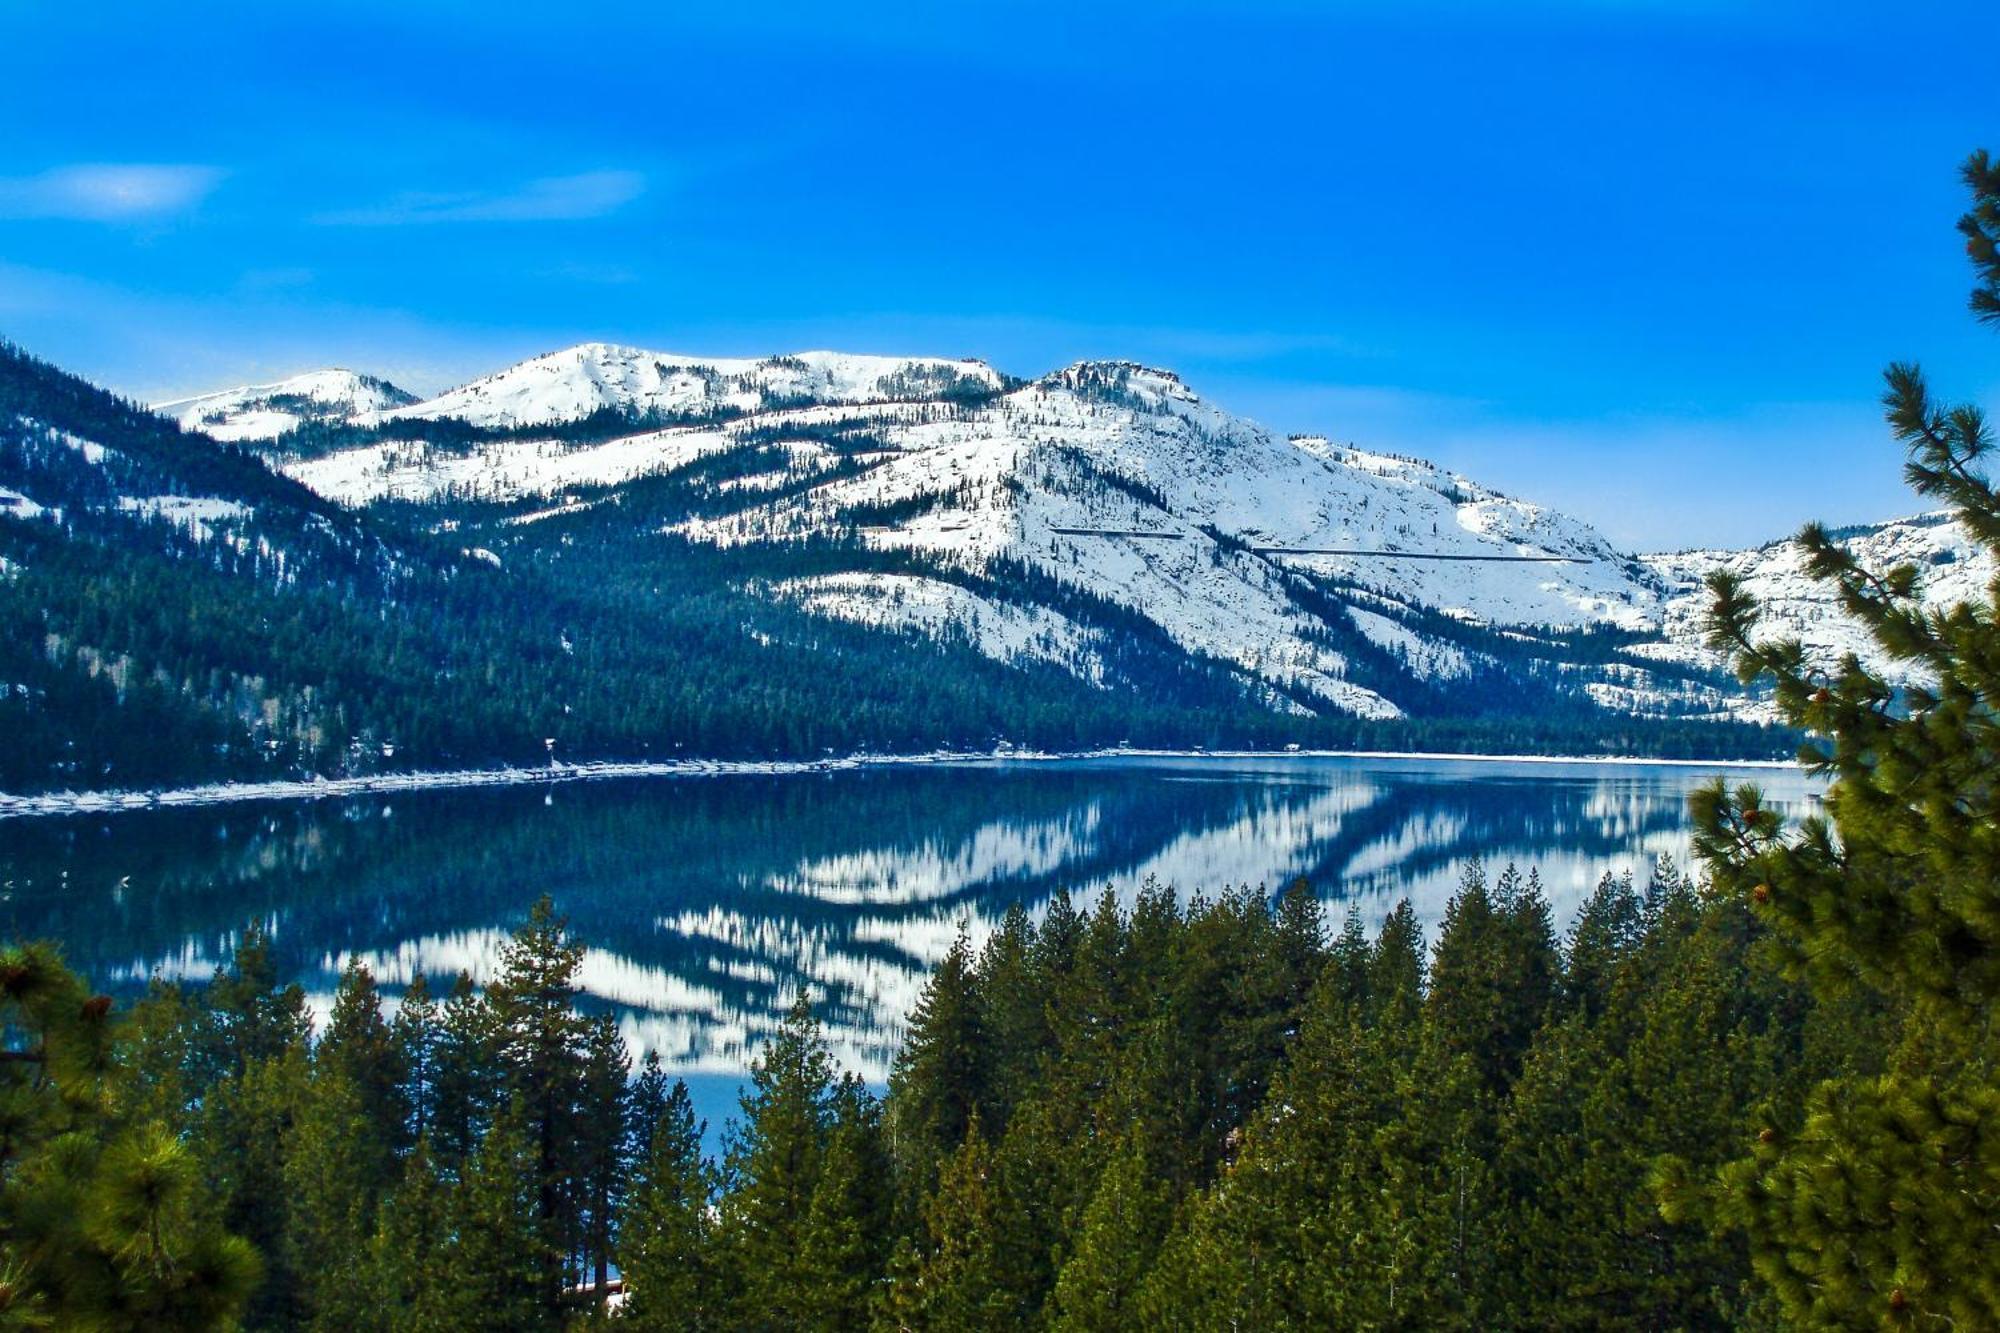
(953,1273)
(1875,1201)
(601,1147)
(1156,1113)
(803,1228)
(501,1261)
(937,1088)
(100,1217)
(666,1241)
(539,1047)
(1981,226)
(466,1085)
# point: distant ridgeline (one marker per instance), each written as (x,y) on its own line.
(377,586)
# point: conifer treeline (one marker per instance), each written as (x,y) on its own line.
(1204,1115)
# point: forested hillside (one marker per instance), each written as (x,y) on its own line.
(174,611)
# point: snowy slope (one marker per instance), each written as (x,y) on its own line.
(498,469)
(577,381)
(266,411)
(1121,447)
(1951,568)
(1278,557)
(898,455)
(1115,447)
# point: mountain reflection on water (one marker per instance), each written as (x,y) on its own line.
(707,902)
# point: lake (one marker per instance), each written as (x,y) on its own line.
(707,901)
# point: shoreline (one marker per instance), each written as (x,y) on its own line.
(312,789)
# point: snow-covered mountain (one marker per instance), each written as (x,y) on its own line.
(265,411)
(1050,520)
(1951,568)
(577,381)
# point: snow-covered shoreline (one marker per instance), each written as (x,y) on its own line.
(220,793)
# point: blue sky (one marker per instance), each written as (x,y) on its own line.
(1643,261)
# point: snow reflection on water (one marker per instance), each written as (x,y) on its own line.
(707,903)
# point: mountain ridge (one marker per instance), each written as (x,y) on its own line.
(797,556)
(174,612)
(1071,473)
(264,411)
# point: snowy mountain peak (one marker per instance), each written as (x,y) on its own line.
(577,381)
(265,411)
(1121,381)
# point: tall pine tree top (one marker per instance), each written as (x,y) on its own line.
(1881,1206)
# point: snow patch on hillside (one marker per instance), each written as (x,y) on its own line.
(198,515)
(1426,657)
(497,470)
(580,380)
(1951,569)
(13,504)
(266,411)
(947,610)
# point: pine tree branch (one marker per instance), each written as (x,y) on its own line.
(1981,228)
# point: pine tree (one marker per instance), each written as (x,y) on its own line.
(414,1035)
(359,1049)
(937,1085)
(539,1046)
(253,1076)
(646,1099)
(953,1277)
(160,1041)
(772,1162)
(336,1169)
(601,1161)
(1981,228)
(255,1018)
(1098,1288)
(845,1249)
(1056,941)
(1605,930)
(500,1263)
(666,1239)
(100,1223)
(1878,1206)
(412,1280)
(1303,1228)
(1396,966)
(1013,1019)
(467,1084)
(1301,943)
(1347,963)
(241,1138)
(1691,1033)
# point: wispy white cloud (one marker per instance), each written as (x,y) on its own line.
(107,191)
(153,346)
(590,194)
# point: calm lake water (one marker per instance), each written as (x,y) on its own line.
(707,901)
